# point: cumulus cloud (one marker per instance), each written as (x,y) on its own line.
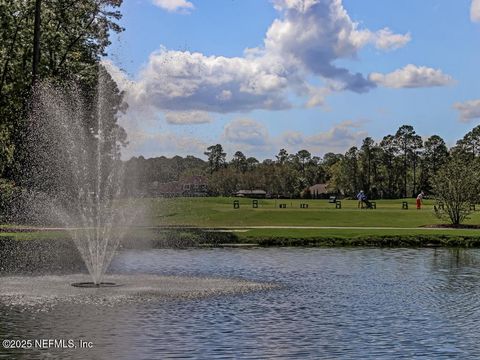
(178,80)
(469,110)
(412,76)
(246,131)
(251,136)
(315,33)
(337,139)
(341,136)
(475,11)
(316,96)
(150,144)
(181,6)
(187,117)
(293,138)
(386,40)
(306,40)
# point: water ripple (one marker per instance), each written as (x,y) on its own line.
(332,304)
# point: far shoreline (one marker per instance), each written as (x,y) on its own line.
(266,236)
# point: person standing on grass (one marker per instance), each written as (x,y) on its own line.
(420,200)
(361,198)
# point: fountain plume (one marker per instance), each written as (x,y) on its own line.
(74,161)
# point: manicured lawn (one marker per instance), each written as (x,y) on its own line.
(219,212)
(380,226)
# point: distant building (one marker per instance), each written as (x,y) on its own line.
(319,191)
(191,186)
(259,194)
(195,186)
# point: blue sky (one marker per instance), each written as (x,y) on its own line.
(319,75)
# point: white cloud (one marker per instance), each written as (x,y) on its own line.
(293,138)
(252,137)
(181,81)
(303,44)
(338,139)
(187,117)
(246,131)
(469,110)
(304,41)
(248,136)
(150,144)
(475,11)
(182,6)
(315,33)
(384,39)
(412,76)
(316,96)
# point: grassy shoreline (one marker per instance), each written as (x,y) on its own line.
(213,221)
(280,238)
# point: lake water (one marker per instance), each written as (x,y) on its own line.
(331,304)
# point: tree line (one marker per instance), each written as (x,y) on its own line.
(399,165)
(58,41)
(58,45)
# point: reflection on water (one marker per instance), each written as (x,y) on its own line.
(334,303)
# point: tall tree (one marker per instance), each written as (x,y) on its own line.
(436,152)
(282,156)
(434,156)
(405,139)
(415,153)
(239,162)
(457,186)
(366,160)
(304,157)
(315,171)
(328,161)
(344,174)
(252,163)
(216,158)
(470,143)
(71,38)
(36,40)
(330,158)
(389,169)
(224,182)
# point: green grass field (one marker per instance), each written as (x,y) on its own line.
(219,212)
(388,220)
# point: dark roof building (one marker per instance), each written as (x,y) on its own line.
(252,193)
(190,186)
(319,191)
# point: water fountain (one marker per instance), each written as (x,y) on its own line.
(74,147)
(76,180)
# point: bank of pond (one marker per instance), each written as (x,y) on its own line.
(41,246)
